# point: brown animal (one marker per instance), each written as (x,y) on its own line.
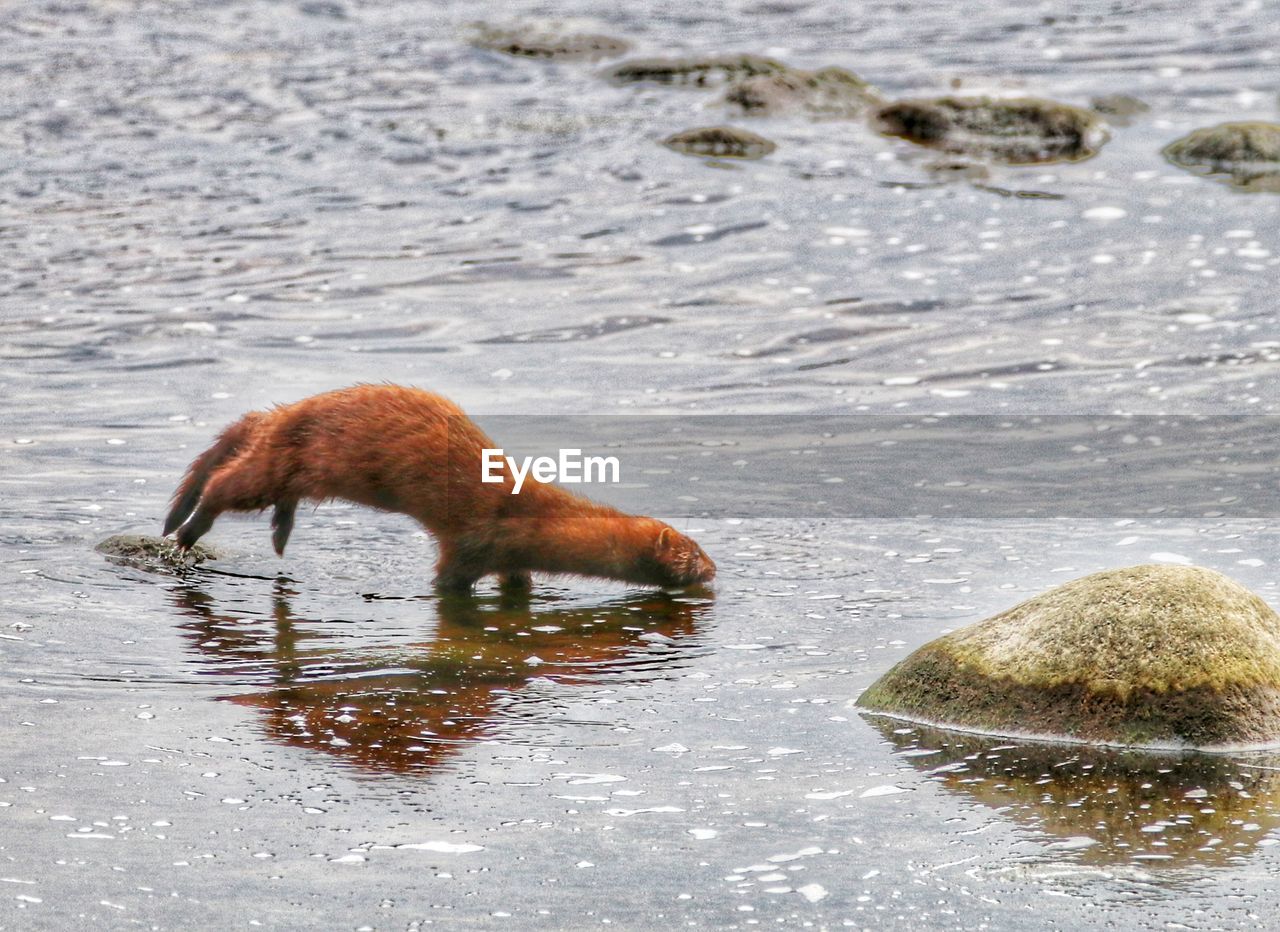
(410,451)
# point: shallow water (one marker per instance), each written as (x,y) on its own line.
(211,209)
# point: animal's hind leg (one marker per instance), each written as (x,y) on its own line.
(233,487)
(282,524)
(457,570)
(195,527)
(192,487)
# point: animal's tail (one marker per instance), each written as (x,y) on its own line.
(230,442)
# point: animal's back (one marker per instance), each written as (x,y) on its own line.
(387,446)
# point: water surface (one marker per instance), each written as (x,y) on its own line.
(206,209)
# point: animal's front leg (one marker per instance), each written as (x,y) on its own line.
(455,572)
(515,582)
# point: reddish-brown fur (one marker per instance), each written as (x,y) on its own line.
(409,451)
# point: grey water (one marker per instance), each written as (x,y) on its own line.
(210,208)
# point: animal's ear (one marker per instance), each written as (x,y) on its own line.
(665,540)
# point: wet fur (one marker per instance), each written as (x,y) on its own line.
(410,451)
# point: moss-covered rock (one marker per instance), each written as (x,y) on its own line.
(693,72)
(1246,155)
(144,550)
(1018,131)
(721,142)
(1147,656)
(1105,805)
(546,43)
(831,93)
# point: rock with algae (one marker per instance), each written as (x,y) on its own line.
(693,72)
(546,43)
(722,142)
(1147,656)
(1019,131)
(1245,155)
(143,550)
(830,93)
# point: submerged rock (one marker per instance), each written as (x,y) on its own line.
(957,170)
(1246,155)
(1119,109)
(1019,131)
(1148,656)
(145,550)
(541,42)
(833,93)
(724,142)
(693,72)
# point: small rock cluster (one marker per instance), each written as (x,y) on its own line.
(1011,131)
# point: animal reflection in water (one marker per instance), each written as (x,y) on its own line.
(409,708)
(1108,806)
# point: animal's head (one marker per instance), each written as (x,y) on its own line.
(680,561)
